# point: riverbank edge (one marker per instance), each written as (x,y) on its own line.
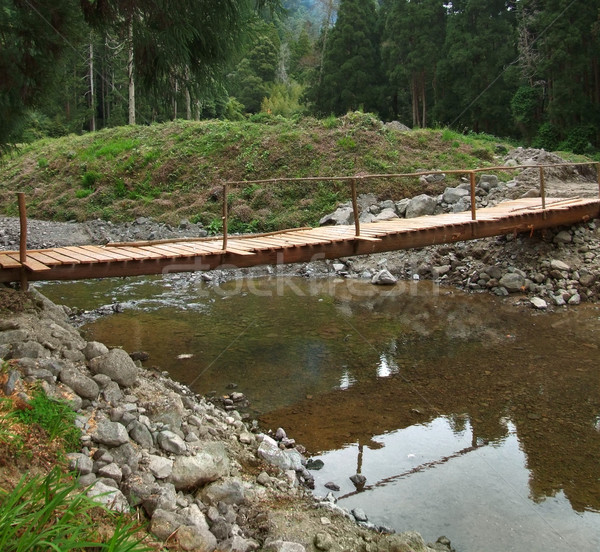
(203,477)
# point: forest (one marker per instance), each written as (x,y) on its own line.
(522,69)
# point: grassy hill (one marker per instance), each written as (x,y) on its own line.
(175,171)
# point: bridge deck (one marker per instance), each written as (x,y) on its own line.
(299,245)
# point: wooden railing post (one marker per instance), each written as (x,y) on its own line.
(598,173)
(23,240)
(355,209)
(473,199)
(543,187)
(225,216)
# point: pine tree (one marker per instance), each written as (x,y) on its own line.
(351,67)
(475,81)
(412,42)
(559,51)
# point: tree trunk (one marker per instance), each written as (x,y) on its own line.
(423,100)
(175,100)
(130,68)
(92,91)
(188,104)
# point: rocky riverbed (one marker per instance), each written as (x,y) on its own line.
(204,477)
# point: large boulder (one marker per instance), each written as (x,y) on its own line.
(206,466)
(421,205)
(117,365)
(342,215)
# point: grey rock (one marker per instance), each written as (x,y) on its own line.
(386,214)
(29,349)
(563,237)
(512,282)
(13,336)
(227,491)
(117,365)
(111,471)
(208,465)
(359,515)
(342,215)
(401,206)
(111,498)
(488,181)
(110,433)
(575,299)
(160,467)
(555,264)
(126,455)
(112,393)
(539,303)
(280,434)
(269,451)
(421,205)
(140,434)
(323,541)
(283,546)
(358,479)
(81,463)
(454,195)
(171,442)
(161,497)
(83,385)
(94,349)
(9,386)
(164,523)
(384,278)
(263,479)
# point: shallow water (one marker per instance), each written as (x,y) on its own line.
(468,416)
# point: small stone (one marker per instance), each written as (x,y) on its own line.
(575,299)
(563,237)
(384,278)
(358,479)
(539,303)
(332,486)
(323,541)
(359,515)
(559,265)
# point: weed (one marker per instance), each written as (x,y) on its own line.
(90,179)
(42,163)
(332,122)
(347,143)
(215,227)
(82,194)
(51,513)
(55,417)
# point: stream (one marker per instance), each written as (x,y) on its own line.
(469,416)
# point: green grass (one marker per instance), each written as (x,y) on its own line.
(169,171)
(53,416)
(51,513)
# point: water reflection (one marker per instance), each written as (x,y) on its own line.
(456,407)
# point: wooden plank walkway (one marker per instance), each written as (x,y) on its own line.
(290,246)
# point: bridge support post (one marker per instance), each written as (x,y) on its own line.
(473,198)
(543,189)
(355,208)
(23,240)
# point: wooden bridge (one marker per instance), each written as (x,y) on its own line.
(296,245)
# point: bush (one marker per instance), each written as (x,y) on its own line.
(547,137)
(579,140)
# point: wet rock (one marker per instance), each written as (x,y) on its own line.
(312,464)
(384,278)
(332,486)
(358,479)
(29,349)
(283,459)
(359,515)
(117,365)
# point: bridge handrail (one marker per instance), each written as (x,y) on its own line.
(360,177)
